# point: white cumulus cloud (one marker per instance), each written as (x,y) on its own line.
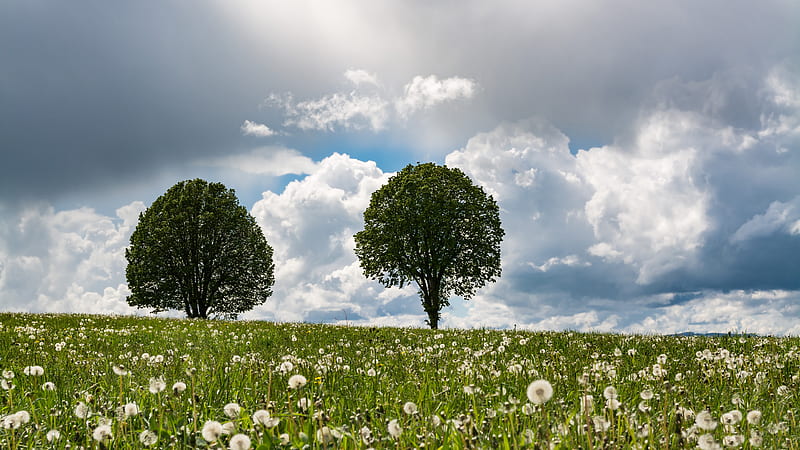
(426,92)
(256,129)
(265,161)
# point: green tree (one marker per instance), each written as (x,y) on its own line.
(196,249)
(430,224)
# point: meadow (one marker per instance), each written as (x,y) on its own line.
(79,381)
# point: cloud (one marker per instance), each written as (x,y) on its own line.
(273,161)
(358,110)
(427,92)
(256,129)
(66,261)
(779,217)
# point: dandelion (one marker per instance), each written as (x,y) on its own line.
(527,409)
(587,403)
(212,430)
(705,421)
(261,417)
(120,370)
(437,421)
(148,438)
(783,391)
(539,391)
(228,428)
(610,392)
(302,404)
(286,367)
(754,417)
(371,372)
(613,404)
(33,371)
(325,436)
(157,385)
(232,410)
(707,442)
(410,408)
(366,435)
(600,423)
(284,438)
(646,394)
(733,440)
(394,428)
(16,420)
(102,433)
(7,385)
(755,438)
(240,442)
(49,386)
(130,409)
(731,417)
(178,387)
(53,435)
(644,407)
(8,374)
(81,410)
(297,381)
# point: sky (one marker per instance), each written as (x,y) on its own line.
(644,155)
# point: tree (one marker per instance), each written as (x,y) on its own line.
(196,249)
(430,224)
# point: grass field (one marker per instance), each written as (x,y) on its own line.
(71,381)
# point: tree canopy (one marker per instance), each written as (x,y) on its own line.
(431,225)
(197,250)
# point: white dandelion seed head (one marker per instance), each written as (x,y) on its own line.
(613,404)
(286,367)
(540,391)
(261,417)
(783,391)
(587,402)
(410,408)
(303,403)
(148,438)
(33,371)
(297,381)
(81,410)
(371,372)
(49,386)
(325,436)
(211,431)
(178,387)
(646,394)
(610,392)
(53,435)
(600,423)
(232,410)
(228,428)
(705,421)
(120,370)
(707,442)
(6,384)
(8,374)
(366,434)
(437,421)
(130,409)
(102,433)
(731,417)
(733,440)
(157,385)
(284,438)
(394,428)
(240,442)
(754,417)
(527,409)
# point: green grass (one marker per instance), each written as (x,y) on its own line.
(469,386)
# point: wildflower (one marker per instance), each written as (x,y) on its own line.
(157,385)
(130,409)
(733,440)
(148,438)
(261,416)
(297,381)
(228,427)
(644,407)
(600,423)
(527,409)
(178,387)
(610,393)
(302,404)
(754,417)
(755,438)
(587,403)
(540,391)
(783,391)
(284,437)
(325,436)
(394,428)
(34,371)
(232,410)
(366,435)
(16,420)
(437,421)
(705,421)
(53,435)
(371,372)
(707,442)
(731,417)
(410,408)
(8,374)
(212,430)
(102,433)
(240,442)
(81,410)
(120,370)
(6,384)
(646,394)
(613,404)
(286,367)
(49,386)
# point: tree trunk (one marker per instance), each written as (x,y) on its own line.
(431,303)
